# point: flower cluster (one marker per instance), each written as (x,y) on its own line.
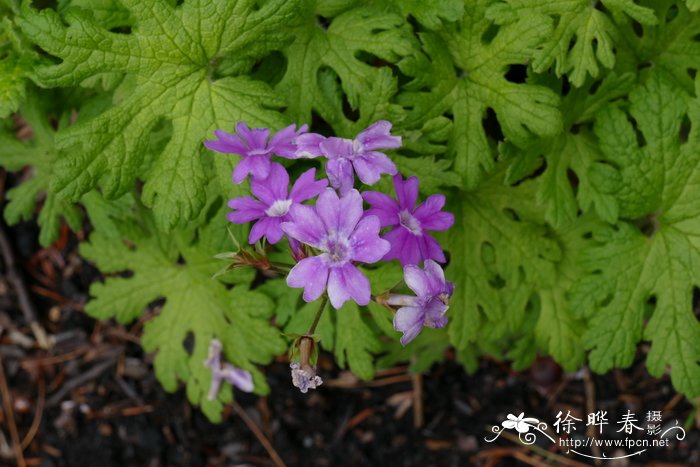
(331,238)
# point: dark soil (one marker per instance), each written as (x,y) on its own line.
(103,406)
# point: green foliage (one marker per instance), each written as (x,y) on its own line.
(178,269)
(168,59)
(564,134)
(655,259)
(584,34)
(461,72)
(40,154)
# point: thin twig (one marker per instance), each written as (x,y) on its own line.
(560,460)
(79,380)
(10,415)
(417,380)
(589,387)
(25,302)
(276,459)
(38,413)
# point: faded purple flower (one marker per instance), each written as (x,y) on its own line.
(273,203)
(359,155)
(410,242)
(304,377)
(255,149)
(429,305)
(242,379)
(335,227)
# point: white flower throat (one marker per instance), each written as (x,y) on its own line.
(407,220)
(279,208)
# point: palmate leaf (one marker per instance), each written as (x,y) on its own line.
(572,152)
(16,62)
(653,265)
(584,35)
(462,74)
(672,46)
(197,307)
(40,154)
(321,56)
(501,255)
(169,55)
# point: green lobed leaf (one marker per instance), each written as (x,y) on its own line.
(584,35)
(197,307)
(169,55)
(39,153)
(462,75)
(355,341)
(501,255)
(671,46)
(325,65)
(655,262)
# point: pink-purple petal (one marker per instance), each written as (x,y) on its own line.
(365,243)
(307,187)
(260,166)
(430,206)
(237,377)
(377,136)
(340,174)
(242,169)
(416,280)
(328,209)
(383,206)
(308,145)
(336,148)
(372,165)
(435,276)
(305,225)
(255,138)
(272,188)
(403,246)
(409,321)
(311,274)
(437,221)
(268,227)
(347,282)
(350,212)
(406,191)
(431,249)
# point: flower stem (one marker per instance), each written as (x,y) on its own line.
(314,323)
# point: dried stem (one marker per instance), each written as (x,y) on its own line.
(10,416)
(276,459)
(25,302)
(38,413)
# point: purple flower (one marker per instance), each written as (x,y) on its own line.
(255,149)
(242,379)
(410,242)
(273,203)
(358,155)
(336,228)
(429,305)
(304,377)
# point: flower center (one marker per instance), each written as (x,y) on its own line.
(357,149)
(279,208)
(409,222)
(338,249)
(258,152)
